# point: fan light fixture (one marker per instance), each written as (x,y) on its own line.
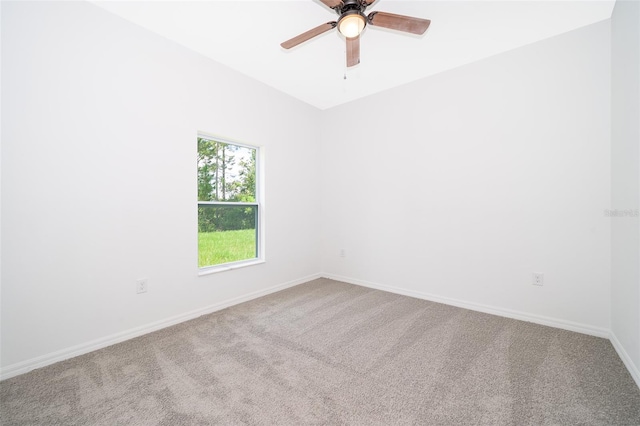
(352,24)
(352,21)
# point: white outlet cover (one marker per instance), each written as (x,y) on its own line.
(538,279)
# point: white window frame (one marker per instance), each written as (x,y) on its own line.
(259,204)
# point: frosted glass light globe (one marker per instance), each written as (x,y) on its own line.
(351,25)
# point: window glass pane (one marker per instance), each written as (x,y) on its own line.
(226,172)
(226,234)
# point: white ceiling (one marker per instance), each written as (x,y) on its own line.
(246,36)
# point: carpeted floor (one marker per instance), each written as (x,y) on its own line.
(327,352)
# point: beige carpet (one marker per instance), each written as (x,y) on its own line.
(327,352)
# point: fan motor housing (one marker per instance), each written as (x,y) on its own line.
(350,5)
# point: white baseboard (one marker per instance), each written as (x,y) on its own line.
(626,359)
(83,348)
(61,355)
(508,313)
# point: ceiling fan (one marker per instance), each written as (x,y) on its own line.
(352,21)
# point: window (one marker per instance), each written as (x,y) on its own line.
(228,204)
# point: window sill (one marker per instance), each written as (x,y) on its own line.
(228,267)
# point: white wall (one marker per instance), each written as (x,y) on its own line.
(459,186)
(456,187)
(99,185)
(625,174)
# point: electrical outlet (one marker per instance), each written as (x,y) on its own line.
(538,279)
(342,253)
(142,285)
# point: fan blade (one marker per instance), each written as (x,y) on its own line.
(332,3)
(369,2)
(308,35)
(353,51)
(407,24)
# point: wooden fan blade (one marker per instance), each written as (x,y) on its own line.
(353,51)
(308,35)
(332,3)
(407,24)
